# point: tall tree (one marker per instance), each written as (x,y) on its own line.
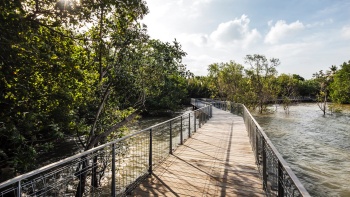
(340,88)
(230,80)
(287,85)
(262,75)
(324,80)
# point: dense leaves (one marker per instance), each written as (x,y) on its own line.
(81,69)
(340,88)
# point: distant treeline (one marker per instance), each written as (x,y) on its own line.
(260,84)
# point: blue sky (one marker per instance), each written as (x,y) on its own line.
(306,35)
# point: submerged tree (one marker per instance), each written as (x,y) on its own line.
(324,80)
(287,86)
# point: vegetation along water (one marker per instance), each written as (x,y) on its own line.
(85,70)
(317,147)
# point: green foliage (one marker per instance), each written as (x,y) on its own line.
(165,76)
(255,87)
(198,87)
(78,68)
(308,88)
(340,88)
(261,76)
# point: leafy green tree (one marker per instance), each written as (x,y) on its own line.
(42,83)
(75,68)
(166,76)
(308,88)
(230,79)
(340,88)
(262,79)
(287,85)
(324,80)
(215,88)
(198,87)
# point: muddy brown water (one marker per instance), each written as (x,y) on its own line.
(317,147)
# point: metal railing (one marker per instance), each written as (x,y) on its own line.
(278,178)
(112,169)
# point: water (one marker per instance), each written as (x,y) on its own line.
(317,147)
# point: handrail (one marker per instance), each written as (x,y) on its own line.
(278,178)
(134,157)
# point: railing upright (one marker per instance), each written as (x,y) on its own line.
(189,125)
(113,171)
(171,139)
(264,172)
(181,134)
(150,163)
(195,118)
(280,179)
(19,189)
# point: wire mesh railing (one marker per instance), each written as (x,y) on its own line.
(112,169)
(278,178)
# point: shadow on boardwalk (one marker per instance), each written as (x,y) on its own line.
(216,161)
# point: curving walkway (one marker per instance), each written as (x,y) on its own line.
(216,161)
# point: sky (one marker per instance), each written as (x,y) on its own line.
(305,35)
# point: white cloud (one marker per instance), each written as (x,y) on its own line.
(211,31)
(346,32)
(320,23)
(235,31)
(282,30)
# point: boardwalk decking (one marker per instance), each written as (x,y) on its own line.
(216,161)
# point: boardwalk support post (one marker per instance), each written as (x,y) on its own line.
(150,153)
(113,170)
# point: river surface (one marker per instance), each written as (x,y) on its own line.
(317,147)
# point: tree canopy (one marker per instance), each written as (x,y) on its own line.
(79,69)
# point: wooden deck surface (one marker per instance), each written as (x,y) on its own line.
(216,161)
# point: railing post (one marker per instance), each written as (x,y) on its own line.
(264,164)
(181,134)
(256,144)
(195,120)
(189,125)
(113,170)
(280,180)
(150,153)
(211,111)
(19,189)
(199,119)
(206,115)
(171,141)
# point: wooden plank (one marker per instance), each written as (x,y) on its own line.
(216,161)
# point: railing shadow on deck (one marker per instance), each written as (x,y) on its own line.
(114,168)
(278,178)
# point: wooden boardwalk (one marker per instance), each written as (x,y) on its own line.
(216,161)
